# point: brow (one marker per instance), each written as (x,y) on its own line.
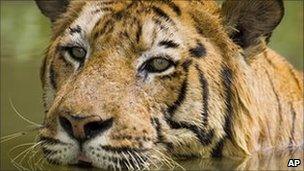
(168,44)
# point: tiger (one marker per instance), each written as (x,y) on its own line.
(136,84)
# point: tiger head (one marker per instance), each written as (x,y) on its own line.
(128,84)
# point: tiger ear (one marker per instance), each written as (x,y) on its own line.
(251,22)
(52,8)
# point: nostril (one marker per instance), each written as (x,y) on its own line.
(92,129)
(66,125)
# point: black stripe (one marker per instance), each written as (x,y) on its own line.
(107,3)
(44,96)
(96,34)
(293,73)
(198,51)
(186,64)
(181,97)
(197,25)
(160,137)
(98,23)
(48,152)
(226,76)
(96,11)
(204,137)
(66,63)
(124,34)
(139,32)
(173,6)
(48,140)
(76,29)
(63,49)
(270,62)
(205,95)
(168,44)
(122,149)
(108,27)
(218,150)
(155,122)
(276,95)
(159,23)
(106,9)
(119,15)
(291,138)
(162,14)
(53,76)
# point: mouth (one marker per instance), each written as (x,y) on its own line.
(121,158)
(106,157)
(83,161)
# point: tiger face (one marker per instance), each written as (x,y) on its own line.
(128,84)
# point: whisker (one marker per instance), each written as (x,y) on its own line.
(34,153)
(134,161)
(29,150)
(17,134)
(12,136)
(128,162)
(22,117)
(169,160)
(25,155)
(164,159)
(144,163)
(8,136)
(44,162)
(19,167)
(118,162)
(21,145)
(38,162)
(153,163)
(13,160)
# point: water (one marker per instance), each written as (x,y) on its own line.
(23,39)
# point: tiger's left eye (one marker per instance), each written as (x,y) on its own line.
(78,53)
(158,64)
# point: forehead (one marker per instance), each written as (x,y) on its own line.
(87,13)
(149,21)
(146,24)
(98,16)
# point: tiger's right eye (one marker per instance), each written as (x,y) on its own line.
(157,65)
(78,53)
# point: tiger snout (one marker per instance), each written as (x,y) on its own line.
(98,135)
(83,128)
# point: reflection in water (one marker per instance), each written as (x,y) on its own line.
(267,160)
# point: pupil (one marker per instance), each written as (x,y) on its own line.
(160,64)
(78,52)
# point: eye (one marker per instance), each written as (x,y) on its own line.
(157,64)
(76,52)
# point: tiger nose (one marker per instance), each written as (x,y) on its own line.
(84,127)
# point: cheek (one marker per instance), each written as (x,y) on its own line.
(62,69)
(164,91)
(56,72)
